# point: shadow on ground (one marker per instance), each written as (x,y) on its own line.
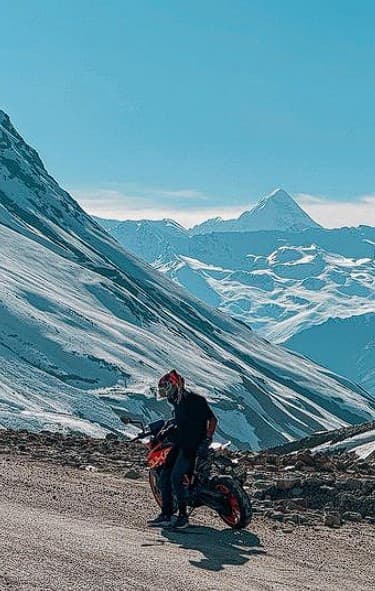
(218,547)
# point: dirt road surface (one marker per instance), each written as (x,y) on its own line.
(64,529)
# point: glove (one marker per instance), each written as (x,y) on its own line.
(203,448)
(166,431)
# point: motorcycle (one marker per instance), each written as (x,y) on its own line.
(215,482)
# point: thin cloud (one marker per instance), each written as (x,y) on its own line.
(307,199)
(370,199)
(335,214)
(160,204)
(155,204)
(183,194)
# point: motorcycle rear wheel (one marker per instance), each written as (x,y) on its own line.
(239,512)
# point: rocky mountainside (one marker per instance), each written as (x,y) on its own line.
(87,328)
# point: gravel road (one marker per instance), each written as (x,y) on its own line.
(66,529)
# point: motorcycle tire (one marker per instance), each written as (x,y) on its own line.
(239,512)
(154,485)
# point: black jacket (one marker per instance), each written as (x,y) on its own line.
(191,415)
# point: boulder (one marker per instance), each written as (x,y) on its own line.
(132,474)
(332,519)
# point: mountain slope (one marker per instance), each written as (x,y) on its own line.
(280,283)
(150,239)
(345,345)
(87,328)
(277,212)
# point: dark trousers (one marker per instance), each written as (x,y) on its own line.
(171,480)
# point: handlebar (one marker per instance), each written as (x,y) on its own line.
(141,435)
(129,421)
(151,430)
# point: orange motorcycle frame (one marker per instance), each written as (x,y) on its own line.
(157,456)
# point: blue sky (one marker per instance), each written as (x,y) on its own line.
(194,109)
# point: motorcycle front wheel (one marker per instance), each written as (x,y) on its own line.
(154,485)
(153,479)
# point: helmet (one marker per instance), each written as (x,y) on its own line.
(170,385)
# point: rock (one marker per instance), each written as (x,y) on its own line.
(258,494)
(368,505)
(310,519)
(281,505)
(332,519)
(259,475)
(88,467)
(271,468)
(352,516)
(287,482)
(111,437)
(306,458)
(294,518)
(132,474)
(288,527)
(367,487)
(276,515)
(296,504)
(347,502)
(314,482)
(327,479)
(297,491)
(263,484)
(326,489)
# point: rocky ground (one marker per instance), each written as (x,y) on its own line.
(292,485)
(64,528)
(288,485)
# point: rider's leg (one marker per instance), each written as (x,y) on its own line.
(165,483)
(182,466)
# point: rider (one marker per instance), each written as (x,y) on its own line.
(191,431)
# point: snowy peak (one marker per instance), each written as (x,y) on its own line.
(277,211)
(278,199)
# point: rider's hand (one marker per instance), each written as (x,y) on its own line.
(165,431)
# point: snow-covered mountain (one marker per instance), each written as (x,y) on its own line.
(280,283)
(277,211)
(357,439)
(151,239)
(86,329)
(345,345)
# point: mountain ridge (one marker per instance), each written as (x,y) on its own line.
(276,211)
